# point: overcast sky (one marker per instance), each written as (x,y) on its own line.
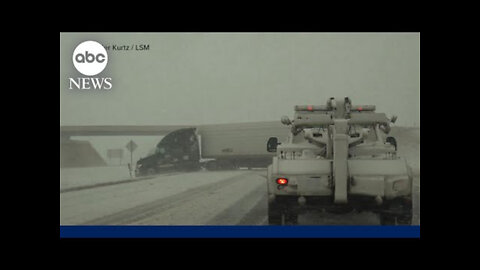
(204,78)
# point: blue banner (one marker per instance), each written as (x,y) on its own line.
(87,231)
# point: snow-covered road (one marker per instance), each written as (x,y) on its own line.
(197,194)
(197,198)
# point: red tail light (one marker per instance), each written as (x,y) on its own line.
(282,181)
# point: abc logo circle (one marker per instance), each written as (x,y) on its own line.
(90,58)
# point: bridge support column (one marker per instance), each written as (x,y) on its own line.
(74,153)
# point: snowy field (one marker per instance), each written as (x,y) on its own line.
(76,177)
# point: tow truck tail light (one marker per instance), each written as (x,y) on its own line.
(282,181)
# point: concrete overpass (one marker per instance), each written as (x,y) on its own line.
(75,153)
(67,131)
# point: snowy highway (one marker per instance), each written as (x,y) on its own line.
(236,197)
(198,198)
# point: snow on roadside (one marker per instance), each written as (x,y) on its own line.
(84,205)
(76,177)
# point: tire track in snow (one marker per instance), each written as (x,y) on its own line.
(236,214)
(145,214)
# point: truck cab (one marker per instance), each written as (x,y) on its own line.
(179,151)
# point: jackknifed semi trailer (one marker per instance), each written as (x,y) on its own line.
(213,147)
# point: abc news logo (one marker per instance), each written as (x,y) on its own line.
(90,58)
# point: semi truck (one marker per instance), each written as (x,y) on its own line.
(213,147)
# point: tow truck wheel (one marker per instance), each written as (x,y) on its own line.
(274,214)
(404,220)
(281,213)
(386,219)
(291,218)
(401,215)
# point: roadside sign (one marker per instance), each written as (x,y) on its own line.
(131,146)
(115,153)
